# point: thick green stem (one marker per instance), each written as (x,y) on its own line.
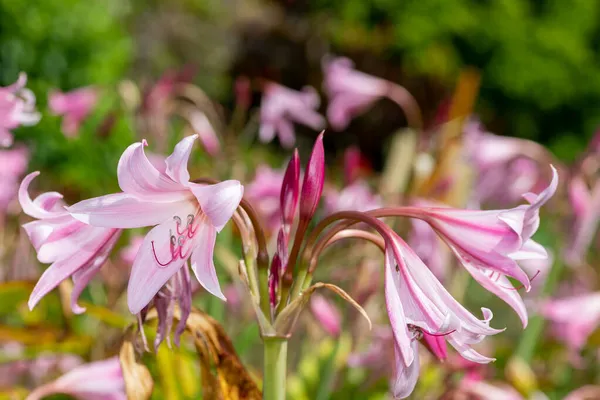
(274,368)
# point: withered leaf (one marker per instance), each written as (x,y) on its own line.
(138,381)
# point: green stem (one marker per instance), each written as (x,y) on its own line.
(274,373)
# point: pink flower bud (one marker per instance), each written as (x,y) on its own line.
(314,178)
(290,189)
(274,275)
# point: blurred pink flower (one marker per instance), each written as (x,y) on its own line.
(326,314)
(357,196)
(75,249)
(355,163)
(585,204)
(13,163)
(574,318)
(504,170)
(74,106)
(100,380)
(186,216)
(281,106)
(129,252)
(482,390)
(17,107)
(205,131)
(264,193)
(352,92)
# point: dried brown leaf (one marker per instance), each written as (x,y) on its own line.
(138,381)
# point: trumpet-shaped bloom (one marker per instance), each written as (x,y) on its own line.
(100,380)
(417,302)
(17,107)
(575,317)
(489,243)
(74,106)
(281,106)
(73,248)
(186,217)
(13,163)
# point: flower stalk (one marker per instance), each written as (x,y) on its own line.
(274,364)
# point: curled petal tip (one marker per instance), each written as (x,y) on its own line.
(144,142)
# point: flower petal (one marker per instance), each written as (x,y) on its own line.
(202,258)
(32,208)
(405,375)
(121,210)
(139,178)
(160,256)
(178,161)
(219,201)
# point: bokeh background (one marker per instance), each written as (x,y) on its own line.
(539,65)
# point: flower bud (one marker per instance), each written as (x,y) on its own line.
(290,190)
(314,178)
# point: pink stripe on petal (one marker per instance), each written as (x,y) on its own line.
(157,260)
(202,259)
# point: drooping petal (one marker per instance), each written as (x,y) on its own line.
(65,267)
(29,206)
(177,162)
(532,218)
(395,311)
(405,375)
(202,259)
(139,178)
(83,276)
(121,210)
(219,201)
(160,256)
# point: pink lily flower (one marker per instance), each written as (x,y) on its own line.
(575,318)
(74,106)
(73,248)
(100,380)
(586,209)
(281,106)
(504,168)
(13,163)
(264,193)
(489,243)
(17,107)
(354,197)
(187,217)
(326,314)
(417,302)
(353,92)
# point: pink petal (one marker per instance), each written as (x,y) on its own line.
(65,267)
(290,190)
(285,131)
(178,161)
(202,259)
(326,314)
(29,206)
(121,210)
(157,261)
(579,196)
(219,201)
(405,375)
(139,178)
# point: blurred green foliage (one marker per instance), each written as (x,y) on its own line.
(539,59)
